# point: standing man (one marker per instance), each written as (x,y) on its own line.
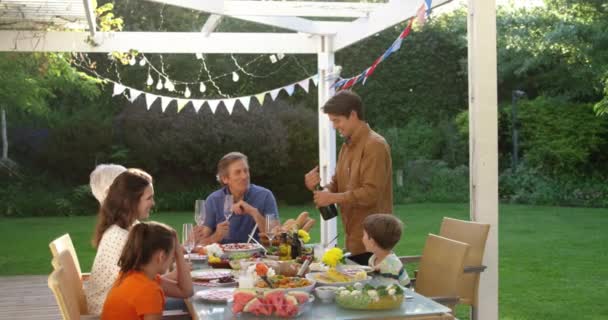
(362,184)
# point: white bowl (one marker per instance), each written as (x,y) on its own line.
(326,293)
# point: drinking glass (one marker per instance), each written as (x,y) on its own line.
(199,212)
(228,202)
(188,238)
(272,220)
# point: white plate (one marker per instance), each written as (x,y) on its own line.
(210,274)
(312,277)
(196,257)
(250,247)
(215,295)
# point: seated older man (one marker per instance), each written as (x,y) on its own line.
(250,204)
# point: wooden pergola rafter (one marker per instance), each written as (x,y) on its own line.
(323,36)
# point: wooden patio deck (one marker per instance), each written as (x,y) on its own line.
(27,297)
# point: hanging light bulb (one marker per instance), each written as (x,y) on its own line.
(169,85)
(150,81)
(199,56)
(187,92)
(159,85)
(132,61)
(235,76)
(142,62)
(202,87)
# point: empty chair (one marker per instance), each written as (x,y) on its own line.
(66,285)
(441,267)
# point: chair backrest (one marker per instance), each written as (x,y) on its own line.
(67,287)
(441,267)
(475,235)
(64,243)
(71,282)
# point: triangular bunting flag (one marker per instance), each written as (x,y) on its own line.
(421,15)
(274,93)
(304,84)
(213,105)
(260,97)
(118,89)
(181,103)
(245,102)
(150,98)
(229,104)
(396,45)
(164,102)
(315,79)
(290,89)
(134,94)
(197,104)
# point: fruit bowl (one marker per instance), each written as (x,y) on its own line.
(249,303)
(286,284)
(368,297)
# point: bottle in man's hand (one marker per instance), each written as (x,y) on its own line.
(327,212)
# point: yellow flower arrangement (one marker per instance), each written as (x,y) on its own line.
(332,257)
(302,234)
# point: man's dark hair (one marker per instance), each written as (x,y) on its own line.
(343,103)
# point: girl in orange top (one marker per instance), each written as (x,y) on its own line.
(139,291)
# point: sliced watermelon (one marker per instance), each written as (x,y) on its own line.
(241,298)
(289,307)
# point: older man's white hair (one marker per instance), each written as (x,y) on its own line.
(102,177)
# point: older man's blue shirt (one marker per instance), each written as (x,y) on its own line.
(240,225)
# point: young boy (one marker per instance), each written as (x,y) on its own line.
(381,232)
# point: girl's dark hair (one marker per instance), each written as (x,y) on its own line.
(145,239)
(384,228)
(120,205)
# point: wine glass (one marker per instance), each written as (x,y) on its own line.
(228,202)
(272,220)
(199,212)
(188,238)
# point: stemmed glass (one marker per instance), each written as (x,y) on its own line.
(199,212)
(272,220)
(228,202)
(188,238)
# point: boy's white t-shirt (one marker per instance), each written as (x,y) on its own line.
(389,271)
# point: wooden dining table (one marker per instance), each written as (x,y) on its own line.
(415,307)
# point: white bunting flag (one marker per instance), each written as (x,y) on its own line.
(213,105)
(304,84)
(245,102)
(274,93)
(164,102)
(134,94)
(290,89)
(260,97)
(315,79)
(150,98)
(197,104)
(229,104)
(118,89)
(181,103)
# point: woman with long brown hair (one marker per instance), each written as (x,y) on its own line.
(139,292)
(129,199)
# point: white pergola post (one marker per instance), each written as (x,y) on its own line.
(327,134)
(483,143)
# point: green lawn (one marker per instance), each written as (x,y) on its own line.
(553,260)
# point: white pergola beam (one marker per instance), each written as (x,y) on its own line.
(88,8)
(280,8)
(159,42)
(390,14)
(212,22)
(483,143)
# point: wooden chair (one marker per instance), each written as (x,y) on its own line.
(64,243)
(475,235)
(66,285)
(441,268)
